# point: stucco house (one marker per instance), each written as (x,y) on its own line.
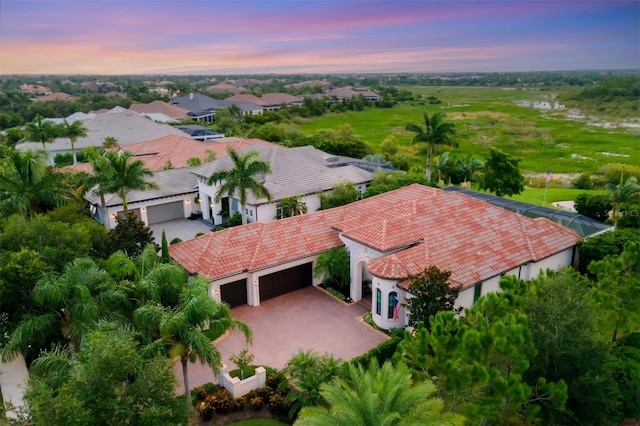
(303,171)
(177,195)
(203,108)
(389,237)
(126,126)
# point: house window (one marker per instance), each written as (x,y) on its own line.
(278,212)
(378,302)
(477,292)
(234,205)
(393,303)
(361,190)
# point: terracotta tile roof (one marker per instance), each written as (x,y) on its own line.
(162,107)
(57,96)
(179,149)
(417,226)
(279,99)
(246,97)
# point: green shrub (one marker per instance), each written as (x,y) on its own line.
(220,402)
(175,241)
(583,182)
(248,371)
(234,220)
(383,352)
(256,403)
(610,173)
(199,234)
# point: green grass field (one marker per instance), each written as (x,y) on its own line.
(491,117)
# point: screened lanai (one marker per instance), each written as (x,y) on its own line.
(584,226)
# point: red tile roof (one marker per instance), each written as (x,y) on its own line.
(156,153)
(162,107)
(417,226)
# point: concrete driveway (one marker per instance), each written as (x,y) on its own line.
(301,320)
(184,229)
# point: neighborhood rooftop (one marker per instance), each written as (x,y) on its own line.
(414,227)
(301,170)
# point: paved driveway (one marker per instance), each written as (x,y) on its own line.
(184,229)
(302,320)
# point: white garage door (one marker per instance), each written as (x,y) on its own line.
(165,212)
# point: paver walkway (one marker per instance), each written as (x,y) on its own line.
(301,320)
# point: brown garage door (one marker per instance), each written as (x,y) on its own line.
(235,293)
(286,281)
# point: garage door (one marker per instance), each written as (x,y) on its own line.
(235,293)
(286,281)
(165,212)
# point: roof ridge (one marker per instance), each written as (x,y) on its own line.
(258,245)
(525,234)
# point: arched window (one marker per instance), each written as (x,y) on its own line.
(378,302)
(393,304)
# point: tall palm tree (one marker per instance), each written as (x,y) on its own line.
(435,132)
(241,178)
(40,130)
(621,193)
(378,396)
(70,303)
(73,131)
(27,182)
(116,173)
(179,329)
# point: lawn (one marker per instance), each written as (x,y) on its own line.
(536,195)
(492,117)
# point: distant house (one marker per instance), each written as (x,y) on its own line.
(302,171)
(389,237)
(349,92)
(157,109)
(203,108)
(273,101)
(126,126)
(57,96)
(35,89)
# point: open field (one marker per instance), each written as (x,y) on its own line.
(492,117)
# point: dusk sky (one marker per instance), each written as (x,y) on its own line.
(315,36)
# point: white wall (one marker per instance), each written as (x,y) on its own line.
(387,286)
(358,254)
(187,199)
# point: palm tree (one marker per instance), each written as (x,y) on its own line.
(468,167)
(70,303)
(115,174)
(378,396)
(621,193)
(180,328)
(149,279)
(40,130)
(73,131)
(241,178)
(306,372)
(291,206)
(436,131)
(27,182)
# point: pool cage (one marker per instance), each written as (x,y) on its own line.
(584,226)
